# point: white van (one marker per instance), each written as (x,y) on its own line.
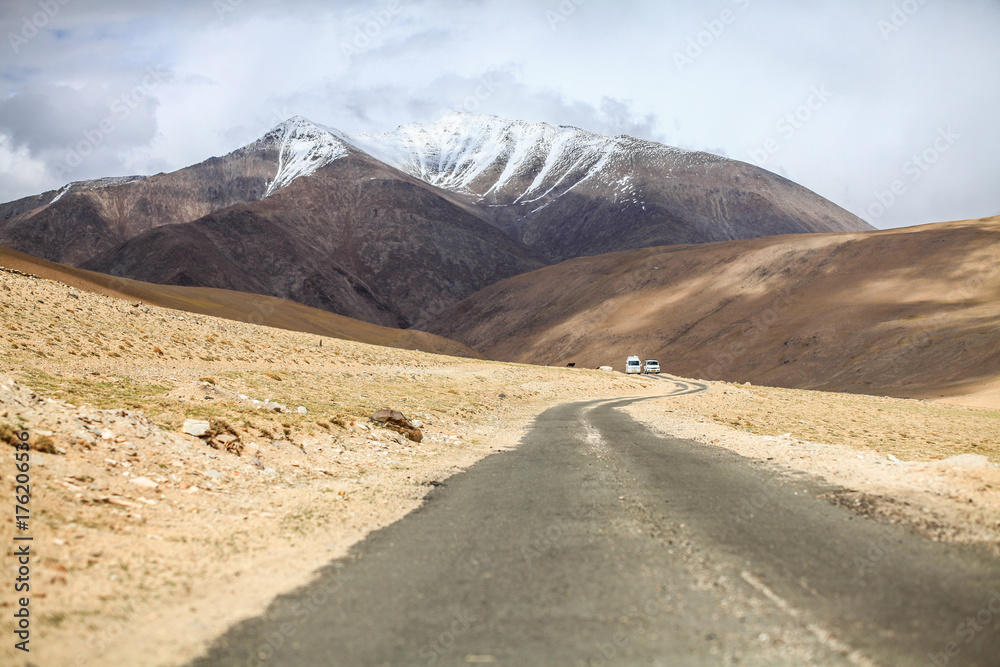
(633,365)
(652,366)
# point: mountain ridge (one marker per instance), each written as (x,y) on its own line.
(457,204)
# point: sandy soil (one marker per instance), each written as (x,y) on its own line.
(149,542)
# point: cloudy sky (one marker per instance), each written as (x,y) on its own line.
(887,108)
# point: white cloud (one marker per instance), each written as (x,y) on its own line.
(608,67)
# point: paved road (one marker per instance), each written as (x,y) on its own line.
(597,542)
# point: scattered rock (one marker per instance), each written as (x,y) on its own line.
(302,410)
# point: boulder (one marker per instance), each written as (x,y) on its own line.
(396,421)
(196,427)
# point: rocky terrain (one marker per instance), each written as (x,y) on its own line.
(149,542)
(393,228)
(904,312)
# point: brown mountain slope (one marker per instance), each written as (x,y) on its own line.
(357,238)
(238,306)
(569,193)
(394,228)
(90,217)
(907,312)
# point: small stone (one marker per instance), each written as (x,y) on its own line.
(107,434)
(964,461)
(144,482)
(213,473)
(302,410)
(196,427)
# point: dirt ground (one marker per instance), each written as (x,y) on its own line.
(148,542)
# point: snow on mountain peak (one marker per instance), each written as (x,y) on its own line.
(492,157)
(304,147)
(496,159)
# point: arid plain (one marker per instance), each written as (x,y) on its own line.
(150,542)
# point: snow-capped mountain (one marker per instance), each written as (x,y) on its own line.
(516,162)
(394,227)
(496,159)
(516,169)
(303,147)
(569,192)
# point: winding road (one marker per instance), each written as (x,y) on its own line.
(599,542)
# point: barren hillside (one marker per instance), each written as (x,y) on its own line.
(905,312)
(237,306)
